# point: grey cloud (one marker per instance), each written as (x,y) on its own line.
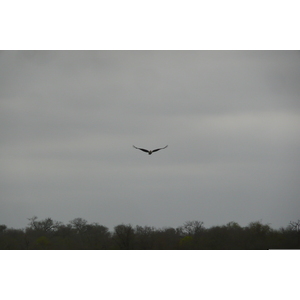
(69,120)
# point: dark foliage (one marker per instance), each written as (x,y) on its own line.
(78,234)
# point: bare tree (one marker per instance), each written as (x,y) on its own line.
(44,226)
(192,228)
(123,236)
(79,224)
(295,225)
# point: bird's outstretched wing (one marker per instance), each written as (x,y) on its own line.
(159,149)
(145,150)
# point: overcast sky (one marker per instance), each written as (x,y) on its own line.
(68,121)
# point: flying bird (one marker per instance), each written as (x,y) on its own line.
(149,151)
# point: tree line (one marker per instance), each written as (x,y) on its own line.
(78,234)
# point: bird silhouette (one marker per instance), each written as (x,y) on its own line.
(150,151)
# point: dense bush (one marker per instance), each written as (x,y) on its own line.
(78,234)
